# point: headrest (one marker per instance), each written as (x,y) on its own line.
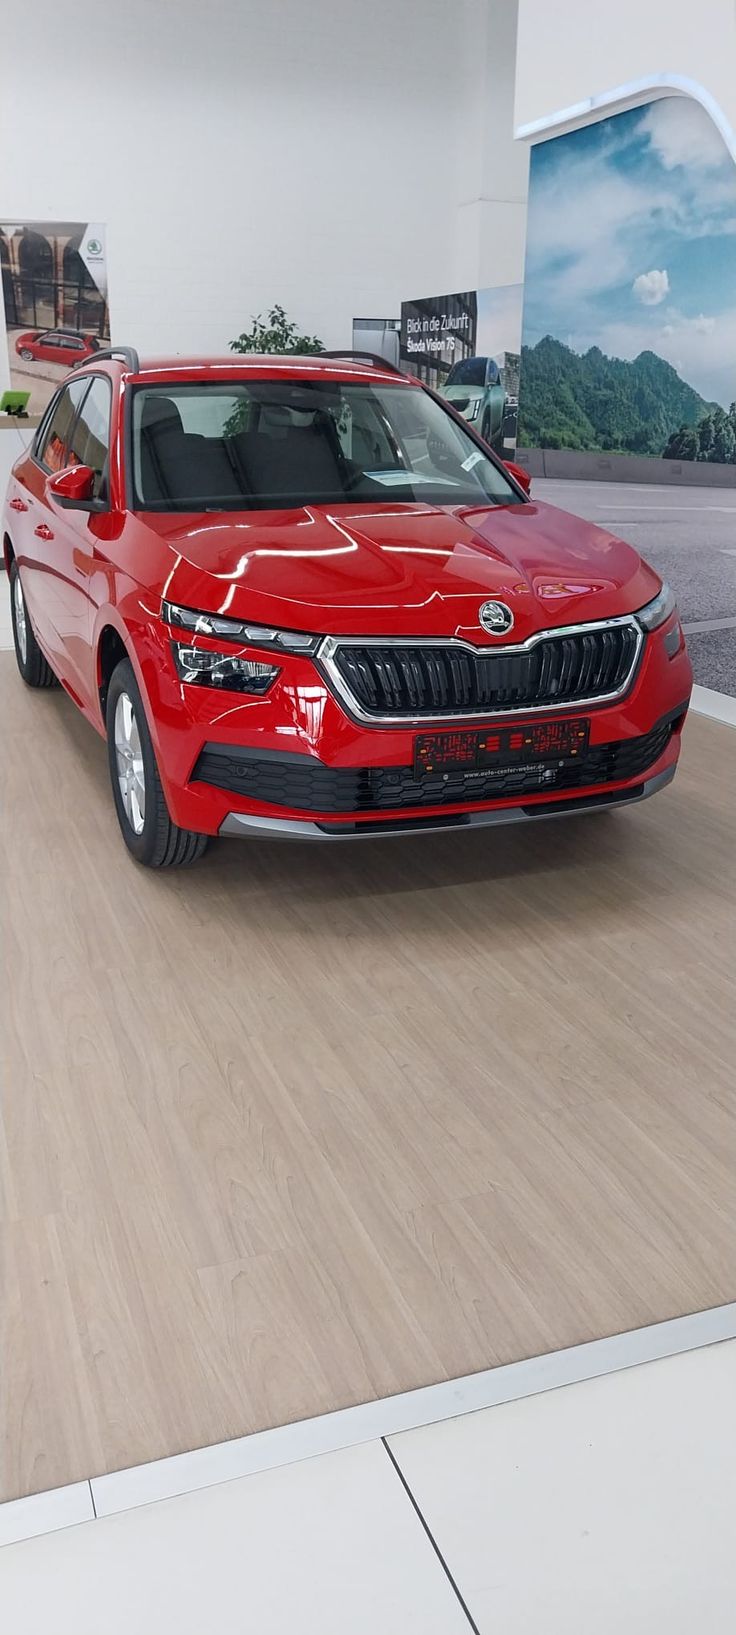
(160,412)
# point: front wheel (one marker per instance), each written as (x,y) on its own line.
(26,354)
(36,672)
(485,430)
(140,803)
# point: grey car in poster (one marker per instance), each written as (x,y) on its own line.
(474,387)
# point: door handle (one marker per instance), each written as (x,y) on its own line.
(17,505)
(43,531)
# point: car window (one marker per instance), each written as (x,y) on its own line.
(40,437)
(90,441)
(258,444)
(467,372)
(51,451)
(58,337)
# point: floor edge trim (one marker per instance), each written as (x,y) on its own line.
(719,706)
(182,1473)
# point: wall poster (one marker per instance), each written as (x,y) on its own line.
(54,285)
(629,332)
(466,346)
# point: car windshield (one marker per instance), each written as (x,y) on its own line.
(260,444)
(468,372)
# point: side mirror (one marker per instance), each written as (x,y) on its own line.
(522,477)
(74,489)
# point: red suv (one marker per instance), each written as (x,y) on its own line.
(65,346)
(301,598)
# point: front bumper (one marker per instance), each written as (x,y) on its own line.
(311,770)
(246,826)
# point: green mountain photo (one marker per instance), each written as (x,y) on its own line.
(631,240)
(590,401)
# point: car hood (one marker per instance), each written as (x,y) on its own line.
(401,569)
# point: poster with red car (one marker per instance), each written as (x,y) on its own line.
(54,288)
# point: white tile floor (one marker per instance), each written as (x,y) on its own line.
(607,1506)
(331,1545)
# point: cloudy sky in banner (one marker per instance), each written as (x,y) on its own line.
(632,242)
(499,320)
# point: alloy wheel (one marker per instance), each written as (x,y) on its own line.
(129,759)
(19,614)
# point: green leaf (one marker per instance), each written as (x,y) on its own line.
(276,334)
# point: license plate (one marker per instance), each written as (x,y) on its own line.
(496,747)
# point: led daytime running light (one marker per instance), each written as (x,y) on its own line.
(658,610)
(236,630)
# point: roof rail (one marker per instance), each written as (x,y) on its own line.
(363,357)
(127,353)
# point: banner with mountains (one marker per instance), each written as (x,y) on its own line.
(629,329)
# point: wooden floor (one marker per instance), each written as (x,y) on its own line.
(300,1127)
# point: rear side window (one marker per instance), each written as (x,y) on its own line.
(90,439)
(52,445)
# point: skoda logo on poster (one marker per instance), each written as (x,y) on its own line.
(496,618)
(92,251)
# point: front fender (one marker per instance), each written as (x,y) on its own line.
(142,639)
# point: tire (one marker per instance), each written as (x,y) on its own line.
(143,815)
(34,668)
(26,353)
(485,429)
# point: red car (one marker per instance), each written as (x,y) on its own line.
(65,346)
(301,598)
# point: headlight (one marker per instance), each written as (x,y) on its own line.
(473,409)
(655,613)
(234,630)
(203,668)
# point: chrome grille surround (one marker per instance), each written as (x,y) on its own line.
(330,648)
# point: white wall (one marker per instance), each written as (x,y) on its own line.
(577,50)
(311,152)
(494,169)
(334,155)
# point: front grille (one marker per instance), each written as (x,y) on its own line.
(391,682)
(305,785)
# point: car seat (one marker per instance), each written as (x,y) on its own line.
(181,465)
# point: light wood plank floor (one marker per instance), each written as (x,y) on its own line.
(302,1127)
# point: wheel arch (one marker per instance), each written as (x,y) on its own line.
(111,648)
(8,552)
(112,641)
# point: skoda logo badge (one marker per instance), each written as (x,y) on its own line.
(496,618)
